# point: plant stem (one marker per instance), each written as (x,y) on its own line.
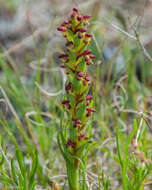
(73,176)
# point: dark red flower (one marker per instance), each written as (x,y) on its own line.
(82,30)
(75,10)
(91,56)
(82,137)
(63,56)
(65,22)
(68,87)
(87,52)
(79,18)
(63,66)
(80,74)
(90,111)
(89,97)
(86,17)
(61,29)
(88,35)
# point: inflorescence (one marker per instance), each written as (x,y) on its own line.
(78,103)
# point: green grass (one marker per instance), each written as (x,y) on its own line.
(122,156)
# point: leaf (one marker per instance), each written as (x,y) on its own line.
(63,149)
(14,173)
(20,160)
(34,167)
(6,179)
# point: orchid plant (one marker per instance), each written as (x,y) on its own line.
(78,104)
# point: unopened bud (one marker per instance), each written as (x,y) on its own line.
(86,17)
(88,35)
(61,29)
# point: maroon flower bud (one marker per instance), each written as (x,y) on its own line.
(65,22)
(87,52)
(87,58)
(80,74)
(87,78)
(82,136)
(79,36)
(61,29)
(73,144)
(88,35)
(68,106)
(87,102)
(85,41)
(89,63)
(63,56)
(79,18)
(74,14)
(69,43)
(68,143)
(85,17)
(63,66)
(68,87)
(89,97)
(66,60)
(91,56)
(77,121)
(65,102)
(75,10)
(82,30)
(91,110)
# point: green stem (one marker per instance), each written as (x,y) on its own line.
(73,176)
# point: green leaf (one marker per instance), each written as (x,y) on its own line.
(6,179)
(20,160)
(14,173)
(34,167)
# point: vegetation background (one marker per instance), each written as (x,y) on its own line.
(32,85)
